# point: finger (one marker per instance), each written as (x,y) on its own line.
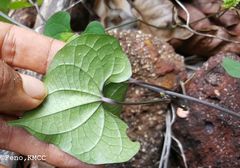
(12,137)
(7,117)
(26,49)
(19,92)
(2,166)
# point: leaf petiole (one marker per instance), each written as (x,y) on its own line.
(115,102)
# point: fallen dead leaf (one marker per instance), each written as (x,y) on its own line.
(113,12)
(202,45)
(160,13)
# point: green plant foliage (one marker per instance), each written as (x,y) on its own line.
(73,116)
(2,19)
(230,3)
(58,26)
(115,92)
(4,5)
(39,2)
(232,67)
(19,5)
(65,36)
(94,27)
(4,8)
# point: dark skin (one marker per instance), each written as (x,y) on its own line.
(19,93)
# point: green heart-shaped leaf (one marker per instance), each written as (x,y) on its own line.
(230,3)
(232,67)
(58,26)
(73,116)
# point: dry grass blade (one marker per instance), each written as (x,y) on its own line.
(181,150)
(170,118)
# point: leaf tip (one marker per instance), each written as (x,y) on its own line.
(95,27)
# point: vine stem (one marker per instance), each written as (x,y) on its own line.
(115,102)
(162,90)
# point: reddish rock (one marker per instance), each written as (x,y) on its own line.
(155,62)
(212,138)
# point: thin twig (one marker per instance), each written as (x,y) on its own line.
(182,84)
(170,119)
(139,20)
(192,58)
(185,10)
(122,25)
(209,35)
(191,67)
(162,90)
(38,10)
(222,13)
(181,151)
(190,78)
(91,12)
(203,18)
(72,5)
(12,20)
(209,16)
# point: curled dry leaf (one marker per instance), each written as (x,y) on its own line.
(225,25)
(113,12)
(211,7)
(160,13)
(206,16)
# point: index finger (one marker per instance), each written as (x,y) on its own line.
(26,49)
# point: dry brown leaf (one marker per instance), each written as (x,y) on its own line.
(210,7)
(202,45)
(204,25)
(160,13)
(113,12)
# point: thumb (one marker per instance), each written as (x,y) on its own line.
(19,92)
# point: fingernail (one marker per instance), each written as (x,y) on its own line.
(33,87)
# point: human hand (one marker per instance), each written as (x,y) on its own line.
(18,93)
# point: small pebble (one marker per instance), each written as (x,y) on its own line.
(182,113)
